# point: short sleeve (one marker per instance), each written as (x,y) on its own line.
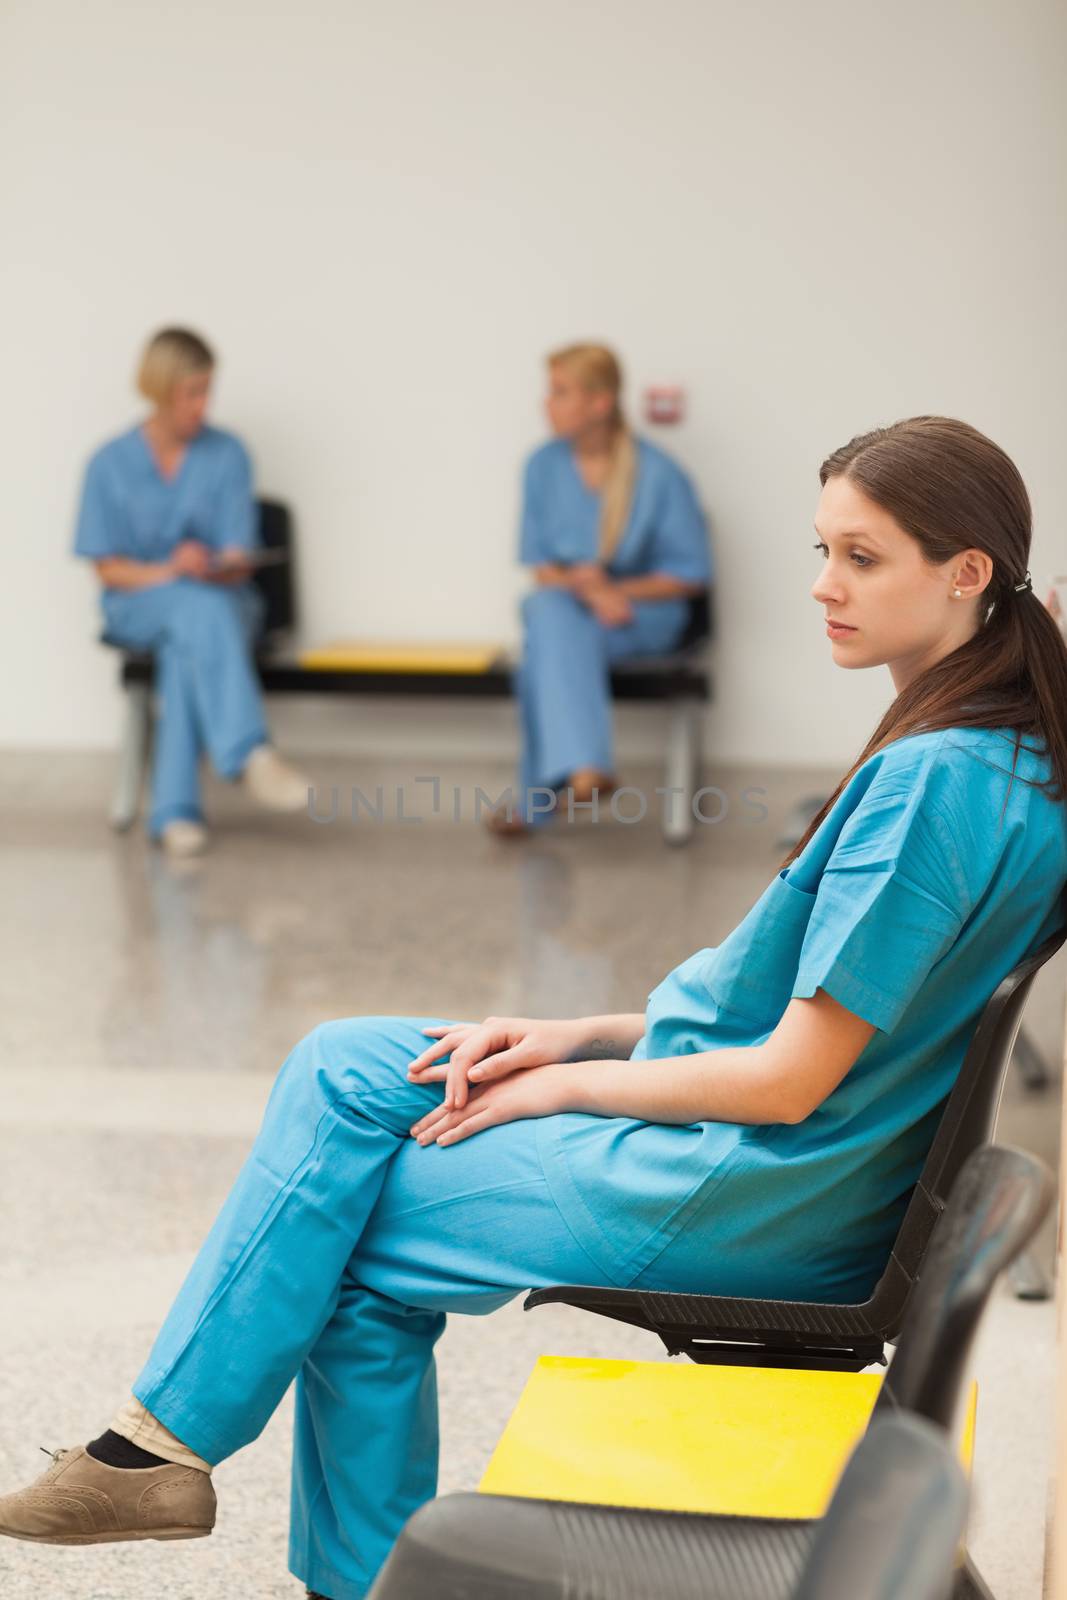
(889,905)
(236,527)
(533,539)
(680,545)
(96,535)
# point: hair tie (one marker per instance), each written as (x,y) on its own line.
(1026,584)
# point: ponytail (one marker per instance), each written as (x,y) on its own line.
(618,492)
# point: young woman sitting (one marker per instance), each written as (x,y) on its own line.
(168,520)
(615,538)
(755,1131)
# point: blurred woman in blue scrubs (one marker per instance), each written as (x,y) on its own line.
(168,520)
(614,533)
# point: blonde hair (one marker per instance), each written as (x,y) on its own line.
(597,370)
(170,354)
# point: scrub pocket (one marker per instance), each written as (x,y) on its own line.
(754,972)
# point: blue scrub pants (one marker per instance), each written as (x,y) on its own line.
(342,1245)
(564,685)
(201,635)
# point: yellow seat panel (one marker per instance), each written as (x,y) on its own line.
(737,1441)
(355,655)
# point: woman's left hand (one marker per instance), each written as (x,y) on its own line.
(536,1092)
(610,607)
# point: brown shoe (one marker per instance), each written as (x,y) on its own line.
(79,1500)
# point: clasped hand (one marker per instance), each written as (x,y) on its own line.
(489,1076)
(600,594)
(194,559)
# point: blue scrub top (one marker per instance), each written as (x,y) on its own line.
(665,531)
(129,509)
(930,878)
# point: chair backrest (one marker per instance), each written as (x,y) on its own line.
(892,1528)
(967,1123)
(700,621)
(997,1202)
(277,584)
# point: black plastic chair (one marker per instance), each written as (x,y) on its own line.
(893,1527)
(684,665)
(890,1533)
(700,626)
(790,1333)
(277,584)
(492,1547)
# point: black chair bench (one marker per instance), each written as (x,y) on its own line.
(680,682)
(495,1547)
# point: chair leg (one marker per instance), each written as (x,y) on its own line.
(1027,1058)
(969,1583)
(133,756)
(681,770)
(1028,1278)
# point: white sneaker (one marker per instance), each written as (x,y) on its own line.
(273,783)
(183,837)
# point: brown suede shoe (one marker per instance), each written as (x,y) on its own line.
(79,1500)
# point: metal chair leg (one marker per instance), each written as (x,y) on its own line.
(681,770)
(133,756)
(1031,1065)
(969,1583)
(1028,1278)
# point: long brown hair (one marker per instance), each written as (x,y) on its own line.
(597,369)
(953,489)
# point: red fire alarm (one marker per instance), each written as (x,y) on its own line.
(664,403)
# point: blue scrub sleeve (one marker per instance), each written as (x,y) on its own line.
(96,533)
(533,537)
(890,903)
(238,524)
(680,546)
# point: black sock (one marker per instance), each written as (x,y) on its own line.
(115,1451)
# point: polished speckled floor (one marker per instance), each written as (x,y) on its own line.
(144,1008)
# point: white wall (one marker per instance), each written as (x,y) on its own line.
(817,217)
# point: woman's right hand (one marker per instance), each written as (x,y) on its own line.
(190,559)
(493,1048)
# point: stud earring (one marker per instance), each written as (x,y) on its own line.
(956,592)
